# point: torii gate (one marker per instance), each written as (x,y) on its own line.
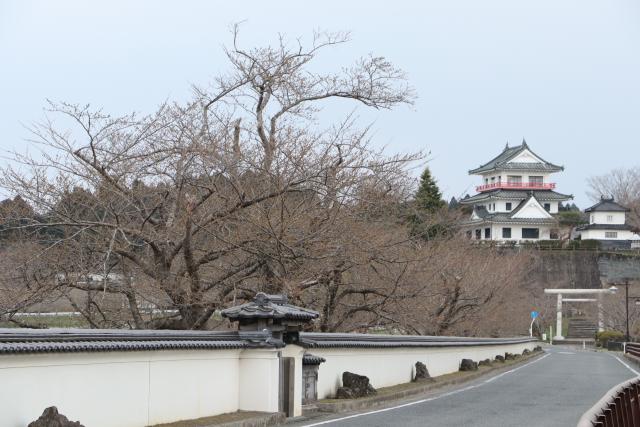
(561,292)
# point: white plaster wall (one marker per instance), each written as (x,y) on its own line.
(124,389)
(526,156)
(599,235)
(388,367)
(601,217)
(192,384)
(501,205)
(259,380)
(502,176)
(532,209)
(516,231)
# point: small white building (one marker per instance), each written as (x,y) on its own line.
(607,221)
(516,200)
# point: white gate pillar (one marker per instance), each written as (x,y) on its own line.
(559,319)
(600,314)
(561,292)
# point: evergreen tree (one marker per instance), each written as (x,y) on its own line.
(428,196)
(425,222)
(453,204)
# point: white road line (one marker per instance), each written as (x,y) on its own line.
(565,352)
(636,373)
(450,393)
(515,369)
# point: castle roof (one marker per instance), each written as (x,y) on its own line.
(605,227)
(607,205)
(541,195)
(502,162)
(482,215)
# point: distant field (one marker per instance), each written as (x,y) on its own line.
(68,321)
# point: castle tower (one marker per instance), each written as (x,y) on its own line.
(517,198)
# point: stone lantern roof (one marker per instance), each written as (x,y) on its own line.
(272,313)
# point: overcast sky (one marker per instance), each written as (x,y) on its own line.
(563,74)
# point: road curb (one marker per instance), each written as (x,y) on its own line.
(264,419)
(381,400)
(261,421)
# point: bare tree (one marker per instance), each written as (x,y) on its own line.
(623,185)
(197,204)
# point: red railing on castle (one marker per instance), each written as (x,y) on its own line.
(517,186)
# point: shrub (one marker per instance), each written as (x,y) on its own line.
(589,244)
(571,218)
(605,336)
(550,244)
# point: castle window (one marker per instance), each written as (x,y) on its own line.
(547,207)
(506,233)
(535,180)
(508,206)
(514,179)
(487,233)
(610,234)
(530,233)
(478,234)
(609,218)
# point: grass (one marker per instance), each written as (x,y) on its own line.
(48,322)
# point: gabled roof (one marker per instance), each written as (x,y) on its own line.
(501,162)
(607,205)
(481,215)
(266,306)
(530,202)
(542,195)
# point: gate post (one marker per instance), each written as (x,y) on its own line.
(294,353)
(559,319)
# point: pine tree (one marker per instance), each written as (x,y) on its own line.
(453,204)
(428,196)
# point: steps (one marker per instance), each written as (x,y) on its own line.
(581,328)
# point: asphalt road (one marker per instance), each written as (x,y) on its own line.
(554,390)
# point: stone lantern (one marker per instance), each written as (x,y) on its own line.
(310,365)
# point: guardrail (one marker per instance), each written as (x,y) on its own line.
(620,406)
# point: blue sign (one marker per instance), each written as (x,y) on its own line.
(534,314)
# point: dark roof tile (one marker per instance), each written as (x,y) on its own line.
(605,227)
(607,205)
(501,162)
(266,306)
(94,340)
(337,340)
(540,195)
(311,359)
